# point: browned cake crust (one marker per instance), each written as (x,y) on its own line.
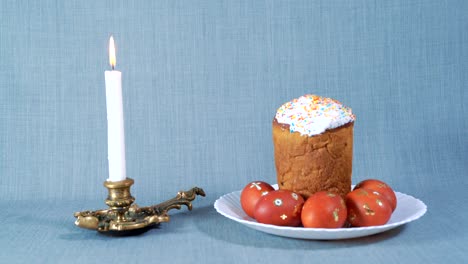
(310,164)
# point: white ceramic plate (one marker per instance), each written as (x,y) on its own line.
(408,209)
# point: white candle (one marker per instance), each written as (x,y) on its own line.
(115,121)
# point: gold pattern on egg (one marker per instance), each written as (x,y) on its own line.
(382,185)
(335,214)
(369,211)
(352,216)
(363,192)
(283,216)
(379,202)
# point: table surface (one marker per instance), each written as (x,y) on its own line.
(42,232)
(201,83)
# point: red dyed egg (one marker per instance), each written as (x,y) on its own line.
(367,208)
(382,188)
(251,194)
(324,210)
(280,207)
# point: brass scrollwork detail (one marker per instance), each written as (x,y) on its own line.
(125,216)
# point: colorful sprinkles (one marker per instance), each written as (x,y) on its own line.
(312,115)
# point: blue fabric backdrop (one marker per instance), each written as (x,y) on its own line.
(201,83)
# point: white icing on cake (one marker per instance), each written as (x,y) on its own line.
(312,115)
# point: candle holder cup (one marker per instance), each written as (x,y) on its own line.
(125,218)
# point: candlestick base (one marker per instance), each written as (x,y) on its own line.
(125,218)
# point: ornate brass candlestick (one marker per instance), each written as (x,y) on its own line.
(123,218)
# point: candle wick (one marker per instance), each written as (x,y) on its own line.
(112,66)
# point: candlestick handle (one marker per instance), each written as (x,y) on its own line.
(182,198)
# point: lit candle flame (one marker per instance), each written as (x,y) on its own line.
(112,59)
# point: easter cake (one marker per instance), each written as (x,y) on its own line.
(313,145)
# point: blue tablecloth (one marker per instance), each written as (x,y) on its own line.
(201,83)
